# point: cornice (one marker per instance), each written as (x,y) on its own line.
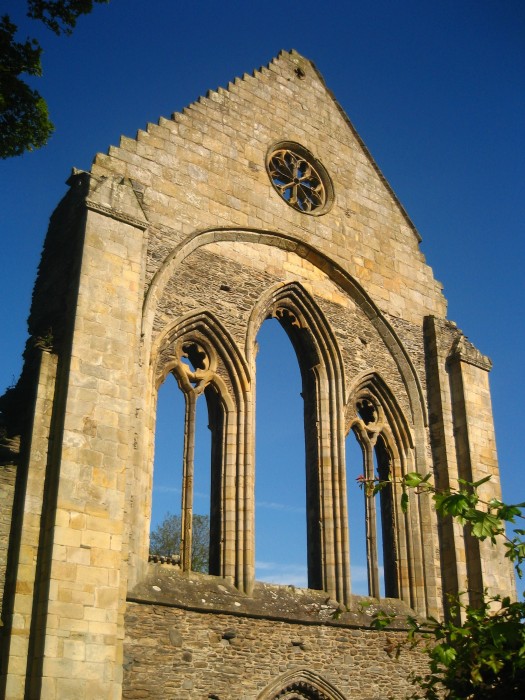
(117,215)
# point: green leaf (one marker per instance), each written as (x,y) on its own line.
(404,502)
(485,525)
(508,512)
(455,504)
(413,479)
(444,653)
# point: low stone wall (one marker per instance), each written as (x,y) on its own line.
(182,652)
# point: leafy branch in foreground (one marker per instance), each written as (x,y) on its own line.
(483,656)
(486,519)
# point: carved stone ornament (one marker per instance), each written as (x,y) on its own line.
(464,351)
(299,178)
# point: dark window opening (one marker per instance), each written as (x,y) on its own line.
(385,522)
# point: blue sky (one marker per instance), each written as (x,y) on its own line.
(436,91)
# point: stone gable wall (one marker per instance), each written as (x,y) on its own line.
(206,169)
(178,237)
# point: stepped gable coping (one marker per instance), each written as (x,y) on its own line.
(221,92)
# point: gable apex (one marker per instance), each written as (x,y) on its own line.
(220,96)
(299,60)
(213,165)
(363,146)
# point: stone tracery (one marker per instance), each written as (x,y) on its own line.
(298,178)
(385,437)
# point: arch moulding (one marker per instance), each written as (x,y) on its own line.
(300,684)
(332,269)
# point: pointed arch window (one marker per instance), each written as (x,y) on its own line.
(381,552)
(280,479)
(387,453)
(322,378)
(204,360)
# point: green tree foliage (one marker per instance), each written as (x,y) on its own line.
(481,658)
(24,123)
(165,539)
(479,652)
(24,119)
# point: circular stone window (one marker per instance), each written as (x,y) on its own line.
(299,178)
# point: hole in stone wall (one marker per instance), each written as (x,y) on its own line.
(280,480)
(196,355)
(366,411)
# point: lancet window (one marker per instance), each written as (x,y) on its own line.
(384,438)
(321,370)
(205,362)
(379,512)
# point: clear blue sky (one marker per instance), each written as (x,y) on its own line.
(435,89)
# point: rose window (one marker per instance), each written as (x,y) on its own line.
(299,178)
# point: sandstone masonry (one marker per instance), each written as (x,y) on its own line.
(257,201)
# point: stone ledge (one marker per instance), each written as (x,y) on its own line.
(167,586)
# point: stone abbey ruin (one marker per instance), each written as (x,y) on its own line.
(257,201)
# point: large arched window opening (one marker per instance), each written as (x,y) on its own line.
(322,382)
(280,481)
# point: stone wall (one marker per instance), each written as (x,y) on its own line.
(7,492)
(220,645)
(185,655)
